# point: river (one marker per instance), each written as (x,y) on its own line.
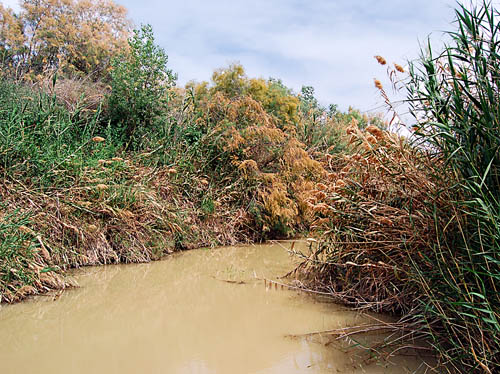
(202,311)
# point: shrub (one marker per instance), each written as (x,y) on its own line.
(140,82)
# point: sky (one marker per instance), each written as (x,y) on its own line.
(327,44)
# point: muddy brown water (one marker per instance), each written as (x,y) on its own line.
(200,312)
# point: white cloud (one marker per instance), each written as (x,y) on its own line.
(327,44)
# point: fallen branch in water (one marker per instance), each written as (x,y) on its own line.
(229,281)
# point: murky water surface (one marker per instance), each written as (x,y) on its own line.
(203,311)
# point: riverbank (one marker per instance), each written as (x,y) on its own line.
(119,212)
(126,167)
(217,170)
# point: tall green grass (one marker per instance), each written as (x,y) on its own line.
(16,253)
(455,97)
(43,141)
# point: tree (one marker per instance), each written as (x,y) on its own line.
(277,99)
(11,37)
(231,81)
(72,36)
(140,81)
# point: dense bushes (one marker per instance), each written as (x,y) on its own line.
(130,172)
(413,228)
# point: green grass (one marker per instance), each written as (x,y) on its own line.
(17,249)
(42,140)
(458,91)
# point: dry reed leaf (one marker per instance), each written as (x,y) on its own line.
(321,208)
(322,221)
(371,139)
(43,250)
(124,213)
(367,146)
(25,230)
(321,187)
(340,183)
(248,167)
(26,291)
(319,195)
(332,176)
(51,281)
(385,221)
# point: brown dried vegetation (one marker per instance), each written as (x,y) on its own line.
(380,218)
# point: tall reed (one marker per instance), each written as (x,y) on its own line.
(454,96)
(414,229)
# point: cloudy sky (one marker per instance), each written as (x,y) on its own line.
(327,44)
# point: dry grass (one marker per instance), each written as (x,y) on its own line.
(77,94)
(138,217)
(376,218)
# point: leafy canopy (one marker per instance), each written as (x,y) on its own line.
(73,36)
(140,82)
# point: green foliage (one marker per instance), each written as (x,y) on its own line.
(318,128)
(307,100)
(16,253)
(455,96)
(39,137)
(231,81)
(140,82)
(277,99)
(207,206)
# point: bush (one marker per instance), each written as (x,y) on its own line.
(140,82)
